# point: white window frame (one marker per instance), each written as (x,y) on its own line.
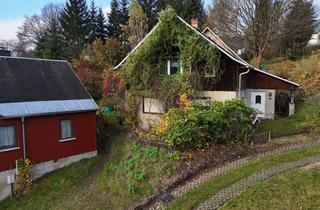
(10,147)
(145,111)
(169,61)
(68,138)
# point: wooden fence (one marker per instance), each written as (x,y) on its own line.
(262,138)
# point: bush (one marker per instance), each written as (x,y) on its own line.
(197,126)
(312,115)
(112,119)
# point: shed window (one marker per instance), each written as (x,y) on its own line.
(7,136)
(66,129)
(258,99)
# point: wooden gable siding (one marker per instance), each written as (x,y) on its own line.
(258,80)
(229,78)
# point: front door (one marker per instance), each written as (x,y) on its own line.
(258,101)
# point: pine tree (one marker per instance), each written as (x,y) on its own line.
(191,9)
(101,27)
(299,25)
(114,28)
(138,25)
(76,26)
(93,19)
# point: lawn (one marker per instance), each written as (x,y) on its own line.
(296,189)
(195,197)
(127,175)
(284,123)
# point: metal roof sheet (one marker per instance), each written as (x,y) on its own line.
(35,108)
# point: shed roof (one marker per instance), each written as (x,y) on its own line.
(38,86)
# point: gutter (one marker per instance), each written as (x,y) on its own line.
(23,139)
(240,81)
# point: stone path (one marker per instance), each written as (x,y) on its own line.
(230,192)
(204,177)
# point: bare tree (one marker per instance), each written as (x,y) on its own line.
(254,22)
(34,27)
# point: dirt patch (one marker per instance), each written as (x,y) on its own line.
(312,167)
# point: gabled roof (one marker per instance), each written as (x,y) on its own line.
(37,86)
(230,53)
(215,41)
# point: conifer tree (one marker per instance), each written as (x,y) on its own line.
(138,25)
(114,28)
(93,21)
(299,25)
(101,26)
(75,23)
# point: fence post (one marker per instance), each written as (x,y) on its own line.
(269,135)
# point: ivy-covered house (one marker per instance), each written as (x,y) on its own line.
(176,58)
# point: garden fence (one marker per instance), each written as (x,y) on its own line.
(261,138)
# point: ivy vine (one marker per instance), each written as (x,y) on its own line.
(145,69)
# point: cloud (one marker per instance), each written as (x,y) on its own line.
(9,28)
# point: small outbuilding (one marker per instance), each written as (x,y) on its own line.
(46,116)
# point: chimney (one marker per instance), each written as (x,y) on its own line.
(4,51)
(194,23)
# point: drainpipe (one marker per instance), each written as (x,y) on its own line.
(23,138)
(240,81)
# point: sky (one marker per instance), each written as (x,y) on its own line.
(12,13)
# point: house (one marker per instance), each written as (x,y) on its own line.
(46,116)
(315,40)
(239,80)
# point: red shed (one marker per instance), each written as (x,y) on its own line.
(46,115)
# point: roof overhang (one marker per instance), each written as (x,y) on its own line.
(40,108)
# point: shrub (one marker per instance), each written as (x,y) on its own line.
(23,184)
(312,115)
(197,126)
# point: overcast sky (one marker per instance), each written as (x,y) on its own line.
(12,13)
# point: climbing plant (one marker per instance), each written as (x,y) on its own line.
(146,68)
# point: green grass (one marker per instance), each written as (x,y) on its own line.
(52,188)
(296,189)
(284,123)
(126,176)
(195,197)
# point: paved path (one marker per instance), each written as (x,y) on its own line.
(204,177)
(230,192)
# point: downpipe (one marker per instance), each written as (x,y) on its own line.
(23,138)
(240,81)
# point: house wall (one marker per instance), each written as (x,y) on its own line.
(149,120)
(8,157)
(270,101)
(220,95)
(43,147)
(43,135)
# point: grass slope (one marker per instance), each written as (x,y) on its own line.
(129,174)
(284,123)
(195,197)
(296,189)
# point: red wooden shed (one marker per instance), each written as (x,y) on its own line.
(46,115)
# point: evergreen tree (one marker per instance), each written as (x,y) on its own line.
(101,27)
(299,25)
(191,9)
(138,25)
(151,9)
(51,46)
(75,23)
(114,28)
(93,19)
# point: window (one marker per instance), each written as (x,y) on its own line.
(7,136)
(173,66)
(152,106)
(258,99)
(66,129)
